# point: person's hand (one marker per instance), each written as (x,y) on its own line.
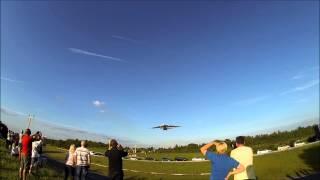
(109,144)
(227,177)
(119,147)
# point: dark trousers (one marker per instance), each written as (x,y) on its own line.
(116,176)
(81,172)
(68,171)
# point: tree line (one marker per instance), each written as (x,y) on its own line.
(258,142)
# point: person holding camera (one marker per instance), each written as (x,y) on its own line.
(115,154)
(221,163)
(36,152)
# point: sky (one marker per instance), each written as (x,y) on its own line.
(117,69)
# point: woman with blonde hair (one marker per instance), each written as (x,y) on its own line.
(221,164)
(70,162)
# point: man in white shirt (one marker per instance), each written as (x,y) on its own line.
(35,154)
(244,155)
(82,155)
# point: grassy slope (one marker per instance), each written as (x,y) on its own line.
(289,163)
(9,167)
(273,166)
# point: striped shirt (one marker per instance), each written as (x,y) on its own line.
(82,156)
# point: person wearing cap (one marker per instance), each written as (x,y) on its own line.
(221,163)
(25,154)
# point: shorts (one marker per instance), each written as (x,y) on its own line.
(25,162)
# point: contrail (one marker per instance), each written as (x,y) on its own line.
(80,51)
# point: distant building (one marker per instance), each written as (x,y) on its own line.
(282,148)
(264,151)
(198,159)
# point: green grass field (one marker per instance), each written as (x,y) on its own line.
(9,167)
(303,160)
(159,156)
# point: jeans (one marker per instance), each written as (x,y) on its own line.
(68,171)
(81,172)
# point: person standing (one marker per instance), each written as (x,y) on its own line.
(115,154)
(82,157)
(20,139)
(70,162)
(25,154)
(221,163)
(9,140)
(35,155)
(244,155)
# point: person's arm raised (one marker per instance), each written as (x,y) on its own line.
(119,147)
(204,148)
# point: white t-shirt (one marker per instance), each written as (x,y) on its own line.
(82,156)
(14,150)
(244,156)
(20,137)
(35,144)
(70,159)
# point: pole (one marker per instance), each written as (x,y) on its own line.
(30,119)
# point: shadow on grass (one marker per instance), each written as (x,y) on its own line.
(311,157)
(59,166)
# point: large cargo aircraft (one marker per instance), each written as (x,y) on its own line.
(166,127)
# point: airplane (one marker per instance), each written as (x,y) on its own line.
(165,127)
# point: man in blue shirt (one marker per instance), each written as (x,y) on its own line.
(221,163)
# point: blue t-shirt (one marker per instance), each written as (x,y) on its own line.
(221,164)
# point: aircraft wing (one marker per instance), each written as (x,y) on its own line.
(157,127)
(171,126)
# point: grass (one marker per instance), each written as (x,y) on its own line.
(9,167)
(158,156)
(282,165)
(148,167)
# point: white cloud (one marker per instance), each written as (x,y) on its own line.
(98,103)
(303,87)
(10,80)
(80,51)
(102,111)
(17,121)
(10,112)
(124,38)
(305,73)
(296,77)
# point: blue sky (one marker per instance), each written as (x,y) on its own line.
(219,69)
